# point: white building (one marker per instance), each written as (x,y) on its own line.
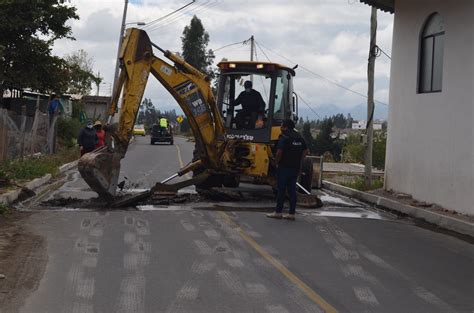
(363,124)
(430,147)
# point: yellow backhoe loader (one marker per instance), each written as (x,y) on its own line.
(226,150)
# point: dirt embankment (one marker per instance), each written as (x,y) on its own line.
(23,260)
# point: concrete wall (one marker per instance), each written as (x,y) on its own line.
(430,148)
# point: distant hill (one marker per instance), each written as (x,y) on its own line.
(358,112)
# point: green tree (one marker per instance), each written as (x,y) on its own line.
(29,29)
(81,75)
(194,45)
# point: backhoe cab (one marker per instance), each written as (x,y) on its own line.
(274,82)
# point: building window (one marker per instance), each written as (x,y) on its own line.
(431,55)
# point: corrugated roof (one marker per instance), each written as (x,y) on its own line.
(384,5)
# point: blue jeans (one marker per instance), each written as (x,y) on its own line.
(287,178)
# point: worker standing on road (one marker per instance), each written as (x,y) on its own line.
(252,105)
(100,132)
(163,125)
(87,138)
(291,150)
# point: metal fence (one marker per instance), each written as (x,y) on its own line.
(24,133)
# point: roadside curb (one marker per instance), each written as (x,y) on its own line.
(447,222)
(12,196)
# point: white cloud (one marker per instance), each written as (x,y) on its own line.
(327,37)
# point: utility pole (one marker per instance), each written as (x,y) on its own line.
(122,30)
(370,99)
(252,49)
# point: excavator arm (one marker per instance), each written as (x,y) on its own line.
(191,89)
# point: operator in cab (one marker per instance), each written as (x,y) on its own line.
(163,124)
(252,105)
(291,150)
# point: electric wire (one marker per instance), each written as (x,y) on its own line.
(322,77)
(199,9)
(258,45)
(149,24)
(309,107)
(243,42)
(178,16)
(261,78)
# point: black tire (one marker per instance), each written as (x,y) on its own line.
(306,177)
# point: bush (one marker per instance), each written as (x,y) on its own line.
(68,130)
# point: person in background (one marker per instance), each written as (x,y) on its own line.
(100,132)
(54,107)
(87,138)
(163,125)
(291,150)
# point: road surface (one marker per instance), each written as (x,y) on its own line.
(345,257)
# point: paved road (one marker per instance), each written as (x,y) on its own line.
(343,258)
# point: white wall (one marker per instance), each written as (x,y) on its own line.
(430,148)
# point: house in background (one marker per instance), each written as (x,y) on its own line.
(377,125)
(95,107)
(430,143)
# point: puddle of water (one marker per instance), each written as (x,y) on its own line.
(333,200)
(362,214)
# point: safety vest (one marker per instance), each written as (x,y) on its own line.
(163,122)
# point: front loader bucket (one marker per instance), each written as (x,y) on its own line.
(100,169)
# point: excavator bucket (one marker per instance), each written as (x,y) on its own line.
(100,169)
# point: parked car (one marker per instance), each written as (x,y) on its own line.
(159,134)
(139,130)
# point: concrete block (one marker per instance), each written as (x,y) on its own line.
(65,167)
(37,182)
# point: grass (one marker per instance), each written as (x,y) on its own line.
(359,184)
(33,167)
(4,209)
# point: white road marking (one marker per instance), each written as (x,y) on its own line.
(212,234)
(187,225)
(365,295)
(203,247)
(235,262)
(202,267)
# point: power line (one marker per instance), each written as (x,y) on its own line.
(198,9)
(312,110)
(258,45)
(172,19)
(261,78)
(322,77)
(232,44)
(168,15)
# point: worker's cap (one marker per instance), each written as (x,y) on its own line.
(98,123)
(288,123)
(248,84)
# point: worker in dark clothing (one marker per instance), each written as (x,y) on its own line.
(252,105)
(291,150)
(87,138)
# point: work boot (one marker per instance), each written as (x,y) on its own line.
(290,217)
(275,215)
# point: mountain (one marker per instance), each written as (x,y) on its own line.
(359,112)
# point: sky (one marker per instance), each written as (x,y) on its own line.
(328,39)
